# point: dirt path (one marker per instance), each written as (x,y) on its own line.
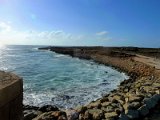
(148,60)
(155,63)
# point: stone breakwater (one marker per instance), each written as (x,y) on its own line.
(133,99)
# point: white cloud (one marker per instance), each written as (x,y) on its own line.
(8,35)
(4,27)
(103,36)
(102,33)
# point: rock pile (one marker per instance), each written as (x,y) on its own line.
(134,98)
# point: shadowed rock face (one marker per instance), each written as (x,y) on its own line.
(11,96)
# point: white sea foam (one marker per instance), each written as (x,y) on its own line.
(51,78)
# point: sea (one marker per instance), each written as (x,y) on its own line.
(55,79)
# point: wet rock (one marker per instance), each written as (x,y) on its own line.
(28,107)
(150,103)
(62,117)
(135,105)
(156,97)
(30,114)
(96,104)
(123,117)
(81,117)
(143,110)
(56,114)
(104,99)
(72,114)
(81,109)
(48,108)
(45,116)
(67,97)
(132,114)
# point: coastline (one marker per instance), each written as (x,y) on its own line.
(134,98)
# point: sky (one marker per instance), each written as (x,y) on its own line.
(80,22)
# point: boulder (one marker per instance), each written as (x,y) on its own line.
(156,85)
(150,102)
(123,117)
(56,115)
(132,114)
(30,114)
(135,105)
(62,118)
(110,115)
(143,110)
(72,114)
(104,99)
(104,104)
(87,116)
(135,99)
(97,114)
(45,116)
(48,108)
(108,109)
(156,97)
(81,109)
(96,104)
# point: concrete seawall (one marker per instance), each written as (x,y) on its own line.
(11,96)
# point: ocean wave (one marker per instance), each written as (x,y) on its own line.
(51,78)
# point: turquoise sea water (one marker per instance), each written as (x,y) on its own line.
(51,78)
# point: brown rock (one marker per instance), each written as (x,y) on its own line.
(111,115)
(62,118)
(45,116)
(87,116)
(156,85)
(96,104)
(135,99)
(97,114)
(104,99)
(72,114)
(104,104)
(58,113)
(108,108)
(81,109)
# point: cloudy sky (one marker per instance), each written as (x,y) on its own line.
(80,22)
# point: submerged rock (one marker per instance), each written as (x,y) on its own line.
(48,108)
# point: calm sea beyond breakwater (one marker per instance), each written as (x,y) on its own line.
(55,79)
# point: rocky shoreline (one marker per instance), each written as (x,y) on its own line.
(134,98)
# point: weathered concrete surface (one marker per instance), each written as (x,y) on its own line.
(11,96)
